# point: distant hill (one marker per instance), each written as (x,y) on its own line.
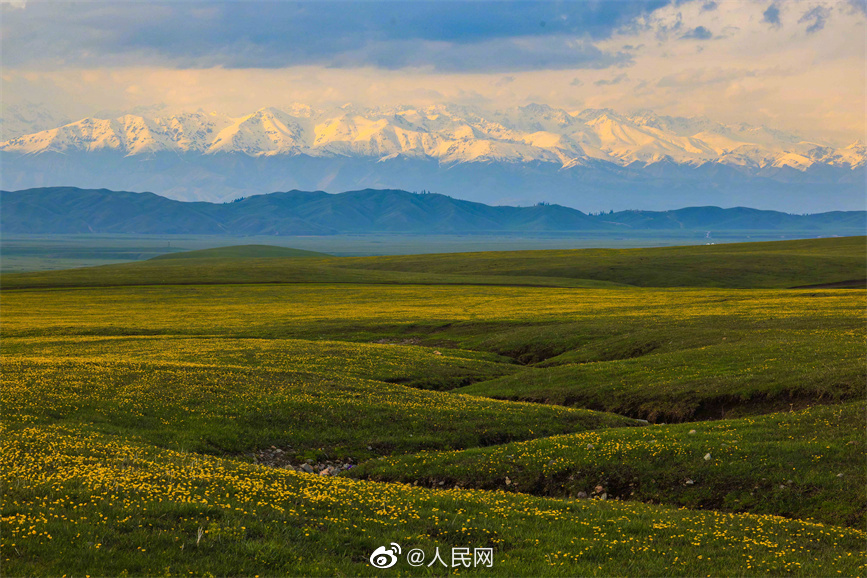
(69,210)
(241,252)
(836,262)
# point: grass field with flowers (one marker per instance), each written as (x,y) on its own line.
(232,410)
(135,397)
(650,353)
(78,503)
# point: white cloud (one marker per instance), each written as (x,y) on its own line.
(752,70)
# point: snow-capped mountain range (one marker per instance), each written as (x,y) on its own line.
(447,134)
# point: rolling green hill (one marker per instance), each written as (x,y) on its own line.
(794,464)
(777,264)
(661,354)
(708,370)
(158,417)
(768,264)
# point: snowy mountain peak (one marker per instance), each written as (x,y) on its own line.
(448,134)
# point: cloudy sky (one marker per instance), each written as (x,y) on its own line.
(797,65)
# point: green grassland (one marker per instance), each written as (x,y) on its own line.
(134,397)
(766,369)
(658,354)
(756,265)
(50,252)
(796,464)
(231,410)
(418,367)
(79,503)
(262,270)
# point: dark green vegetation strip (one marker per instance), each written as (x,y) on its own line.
(761,265)
(796,464)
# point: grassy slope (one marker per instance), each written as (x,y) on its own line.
(406,364)
(234,409)
(772,264)
(233,372)
(784,463)
(752,373)
(80,503)
(777,264)
(204,271)
(658,353)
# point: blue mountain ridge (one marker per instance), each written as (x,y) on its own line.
(70,210)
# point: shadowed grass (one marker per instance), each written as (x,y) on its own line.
(753,372)
(806,464)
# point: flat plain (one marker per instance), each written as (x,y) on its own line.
(676,411)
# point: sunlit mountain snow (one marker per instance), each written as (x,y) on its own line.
(449,134)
